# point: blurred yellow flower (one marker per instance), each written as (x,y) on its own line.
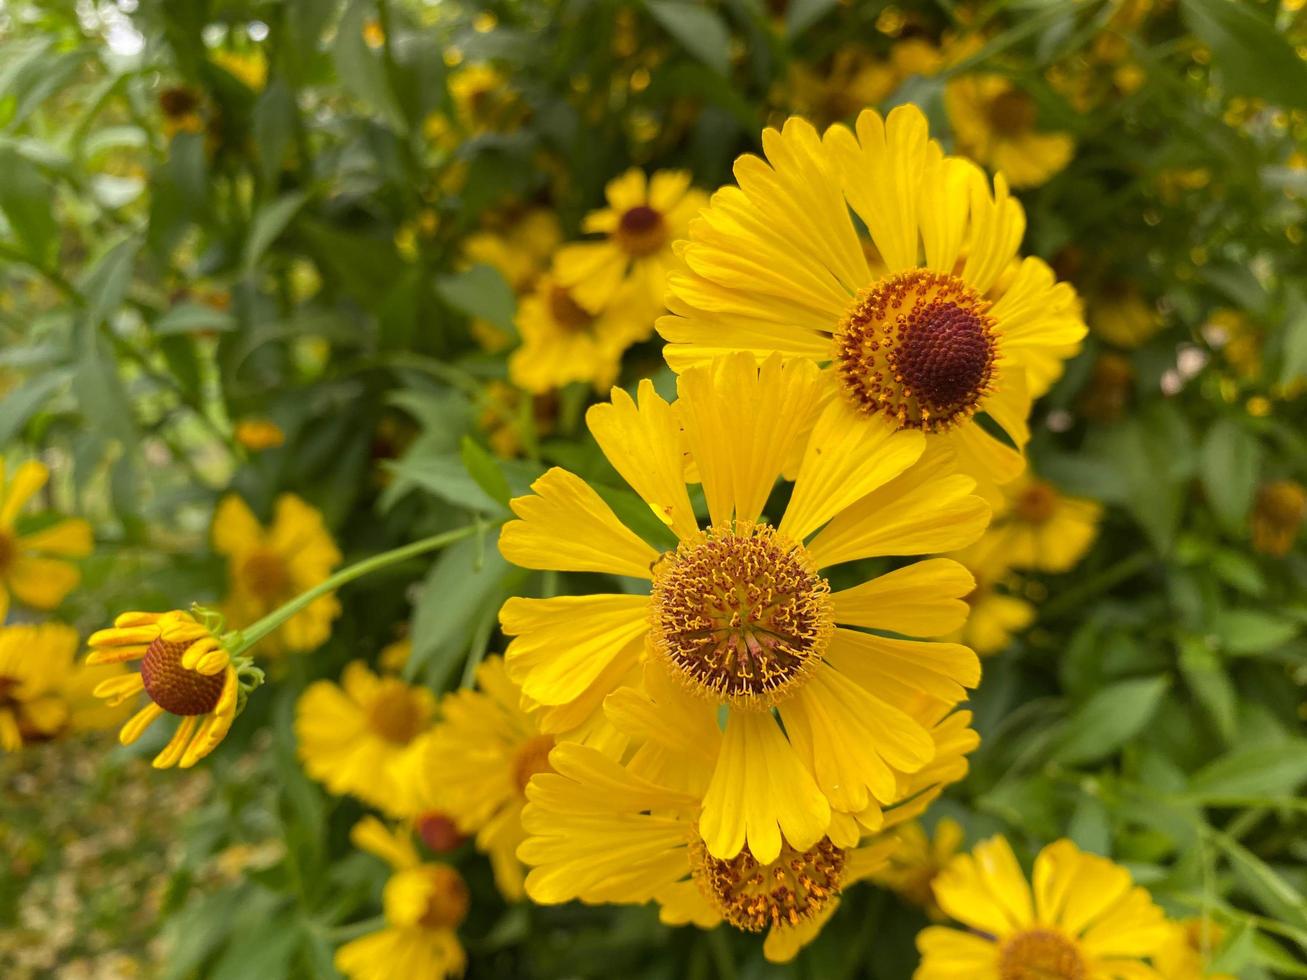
(996,123)
(477,763)
(249,67)
(1085,919)
(1121,316)
(35,662)
(354,736)
(258,434)
(643,218)
(1278,516)
(915,861)
(1188,947)
(34,566)
(853,80)
(484,102)
(510,417)
(1106,395)
(996,614)
(268,567)
(424,904)
(186,671)
(1040,528)
(520,249)
(1239,340)
(181,106)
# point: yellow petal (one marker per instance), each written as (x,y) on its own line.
(138,723)
(28,479)
(71,538)
(118,689)
(181,738)
(922,599)
(235,528)
(900,670)
(42,583)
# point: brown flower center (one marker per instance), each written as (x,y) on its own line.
(919,346)
(177,101)
(266,573)
(395,715)
(1040,954)
(753,896)
(641,231)
(1036,503)
(1012,113)
(8,550)
(567,313)
(438,832)
(741,615)
(447,900)
(174,688)
(532,757)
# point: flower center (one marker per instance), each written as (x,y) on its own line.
(395,716)
(741,615)
(438,832)
(266,573)
(174,688)
(532,757)
(919,346)
(1036,503)
(178,101)
(447,898)
(1012,113)
(753,896)
(641,231)
(8,549)
(1281,503)
(567,313)
(1040,954)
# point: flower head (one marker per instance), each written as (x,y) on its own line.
(996,123)
(353,736)
(1084,921)
(1039,527)
(424,904)
(34,566)
(1278,516)
(741,616)
(997,613)
(1188,948)
(267,567)
(186,670)
(1121,316)
(644,216)
(40,686)
(916,342)
(916,859)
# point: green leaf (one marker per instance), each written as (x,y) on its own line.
(270,221)
(1247,631)
(22,403)
(1109,719)
(106,283)
(27,200)
(187,318)
(1258,770)
(802,14)
(361,69)
(1275,894)
(1205,674)
(483,468)
(1253,58)
(1229,465)
(481,291)
(274,127)
(700,30)
(101,396)
(446,477)
(1293,350)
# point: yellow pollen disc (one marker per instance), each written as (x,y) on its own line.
(753,896)
(395,714)
(919,346)
(266,573)
(532,757)
(740,615)
(174,688)
(447,899)
(1036,503)
(641,231)
(1040,954)
(566,312)
(1012,113)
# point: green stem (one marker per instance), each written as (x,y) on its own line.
(253,633)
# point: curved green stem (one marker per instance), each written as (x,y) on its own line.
(256,631)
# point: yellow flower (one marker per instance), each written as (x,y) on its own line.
(563,342)
(424,906)
(996,615)
(484,102)
(354,736)
(249,67)
(776,265)
(268,567)
(995,122)
(512,418)
(1107,394)
(1188,947)
(853,80)
(395,655)
(1084,920)
(257,434)
(1278,516)
(33,566)
(1239,340)
(1039,528)
(35,662)
(477,763)
(840,691)
(1122,317)
(600,832)
(641,221)
(181,106)
(186,670)
(916,860)
(521,250)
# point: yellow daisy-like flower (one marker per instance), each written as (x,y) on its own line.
(424,904)
(35,567)
(854,79)
(1278,516)
(35,662)
(740,612)
(916,860)
(257,434)
(641,221)
(478,762)
(267,567)
(1084,921)
(186,670)
(1121,316)
(1188,947)
(776,265)
(995,122)
(996,615)
(1040,528)
(521,250)
(563,342)
(354,737)
(601,832)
